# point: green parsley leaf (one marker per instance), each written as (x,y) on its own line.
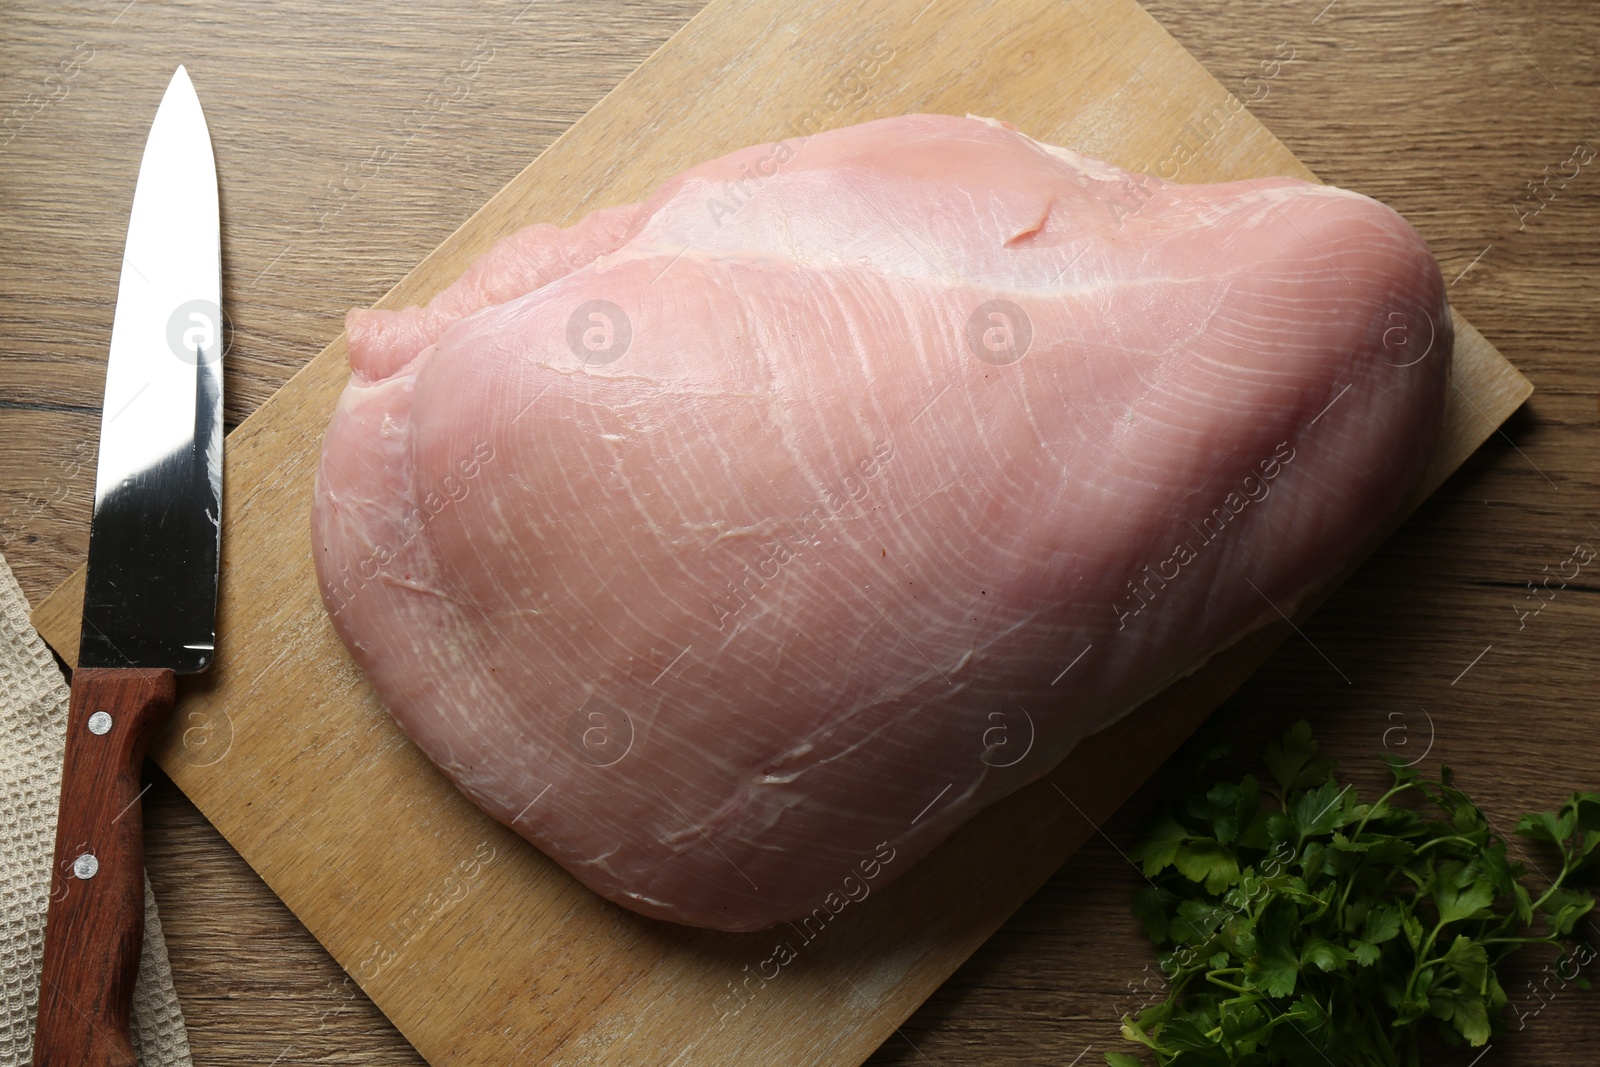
(1458,901)
(1381,923)
(1207,860)
(1151,905)
(1324,954)
(1471,1020)
(1293,762)
(1160,845)
(1300,924)
(1122,1059)
(1468,959)
(1364,952)
(1564,907)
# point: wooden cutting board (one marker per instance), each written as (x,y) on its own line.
(481,950)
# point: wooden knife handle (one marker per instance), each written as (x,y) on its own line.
(95,929)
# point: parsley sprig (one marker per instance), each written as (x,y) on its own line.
(1298,924)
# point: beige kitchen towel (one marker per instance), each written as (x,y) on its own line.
(33,722)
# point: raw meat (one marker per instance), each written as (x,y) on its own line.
(707,543)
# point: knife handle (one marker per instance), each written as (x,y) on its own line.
(94,932)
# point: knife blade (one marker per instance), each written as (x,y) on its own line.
(149,606)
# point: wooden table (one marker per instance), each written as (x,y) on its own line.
(1446,111)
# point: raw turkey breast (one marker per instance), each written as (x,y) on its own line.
(735,547)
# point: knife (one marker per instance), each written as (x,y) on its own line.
(149,604)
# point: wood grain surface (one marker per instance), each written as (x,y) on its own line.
(476,947)
(1444,111)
